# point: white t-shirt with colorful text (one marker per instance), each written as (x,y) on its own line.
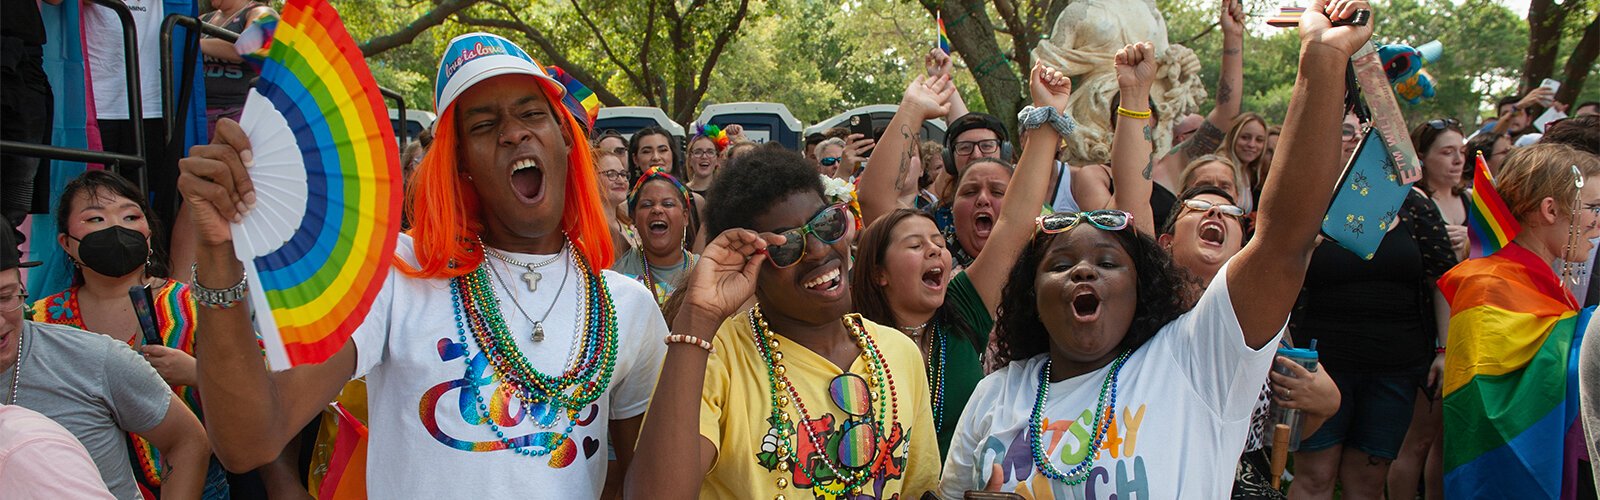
(1183,409)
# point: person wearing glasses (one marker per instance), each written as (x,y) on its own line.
(830,155)
(1114,383)
(705,159)
(904,276)
(1377,320)
(1349,136)
(99,390)
(795,396)
(612,172)
(612,141)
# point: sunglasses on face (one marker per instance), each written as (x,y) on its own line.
(829,161)
(827,226)
(1109,220)
(1203,206)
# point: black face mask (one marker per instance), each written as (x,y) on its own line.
(114,251)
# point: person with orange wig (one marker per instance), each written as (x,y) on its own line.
(499,353)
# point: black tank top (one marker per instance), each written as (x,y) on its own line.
(227,82)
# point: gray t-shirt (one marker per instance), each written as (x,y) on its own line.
(94,386)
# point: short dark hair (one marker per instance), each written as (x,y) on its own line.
(747,186)
(1510,99)
(1177,208)
(971,121)
(1021,335)
(1582,133)
(1585,104)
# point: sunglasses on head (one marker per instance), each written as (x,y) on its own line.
(1109,220)
(1206,206)
(828,226)
(829,161)
(1444,124)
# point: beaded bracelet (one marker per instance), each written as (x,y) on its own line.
(678,338)
(1137,115)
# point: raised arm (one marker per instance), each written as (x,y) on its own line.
(722,281)
(889,171)
(182,443)
(1265,278)
(1133,142)
(1231,81)
(940,64)
(251,412)
(1025,194)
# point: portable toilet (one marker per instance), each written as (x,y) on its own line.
(880,114)
(409,129)
(629,119)
(762,121)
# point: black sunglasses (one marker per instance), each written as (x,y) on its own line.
(1444,124)
(828,226)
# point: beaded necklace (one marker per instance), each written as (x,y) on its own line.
(16,376)
(587,375)
(1104,412)
(647,275)
(847,477)
(936,369)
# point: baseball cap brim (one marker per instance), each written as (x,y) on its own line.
(475,57)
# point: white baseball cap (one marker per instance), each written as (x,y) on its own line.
(475,57)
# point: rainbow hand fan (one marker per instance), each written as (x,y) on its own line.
(319,243)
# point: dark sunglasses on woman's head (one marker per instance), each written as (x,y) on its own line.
(1206,206)
(829,161)
(827,226)
(1444,124)
(1109,220)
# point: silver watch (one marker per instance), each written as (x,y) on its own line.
(215,298)
(1032,117)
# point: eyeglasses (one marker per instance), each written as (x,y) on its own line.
(1206,206)
(1349,133)
(1444,124)
(620,151)
(612,175)
(829,161)
(987,146)
(702,152)
(13,301)
(1109,220)
(827,226)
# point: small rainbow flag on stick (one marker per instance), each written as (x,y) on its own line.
(944,37)
(318,245)
(579,99)
(1490,225)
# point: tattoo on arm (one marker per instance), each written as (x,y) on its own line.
(905,161)
(1224,92)
(1149,167)
(1149,134)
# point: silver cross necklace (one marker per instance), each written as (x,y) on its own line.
(532,276)
(538,324)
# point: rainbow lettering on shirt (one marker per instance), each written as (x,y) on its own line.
(1118,471)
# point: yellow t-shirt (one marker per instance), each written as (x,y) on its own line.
(737,404)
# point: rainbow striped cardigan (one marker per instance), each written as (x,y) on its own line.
(1511,425)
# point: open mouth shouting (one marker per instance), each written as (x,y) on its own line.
(1085,305)
(1212,233)
(933,278)
(657,227)
(527,180)
(982,223)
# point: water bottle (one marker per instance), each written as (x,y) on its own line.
(1289,417)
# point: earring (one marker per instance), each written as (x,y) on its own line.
(1570,271)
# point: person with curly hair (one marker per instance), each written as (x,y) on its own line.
(1091,300)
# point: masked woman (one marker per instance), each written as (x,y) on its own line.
(105,228)
(661,208)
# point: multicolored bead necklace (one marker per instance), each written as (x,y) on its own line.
(936,369)
(1104,413)
(647,275)
(477,311)
(848,477)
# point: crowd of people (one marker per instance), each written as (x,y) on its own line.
(578,313)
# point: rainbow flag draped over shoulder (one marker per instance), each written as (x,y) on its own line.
(1490,225)
(1510,379)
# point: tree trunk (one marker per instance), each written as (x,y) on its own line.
(1545,20)
(972,35)
(1580,62)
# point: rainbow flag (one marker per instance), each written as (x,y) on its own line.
(944,36)
(1511,425)
(347,469)
(579,99)
(1490,225)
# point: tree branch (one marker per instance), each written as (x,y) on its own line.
(606,47)
(1202,34)
(555,56)
(434,17)
(720,43)
(1580,62)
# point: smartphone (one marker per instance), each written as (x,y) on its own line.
(140,295)
(1553,85)
(861,124)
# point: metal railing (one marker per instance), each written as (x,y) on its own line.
(130,56)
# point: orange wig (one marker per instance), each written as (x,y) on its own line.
(445,231)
